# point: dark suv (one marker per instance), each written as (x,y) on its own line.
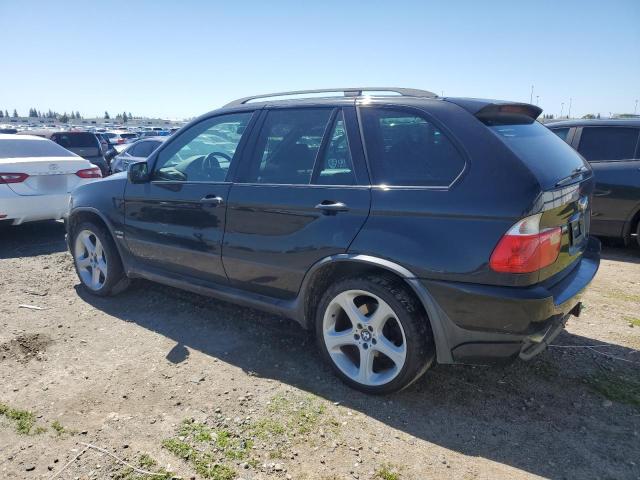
(612,147)
(401,228)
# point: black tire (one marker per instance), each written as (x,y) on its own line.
(420,348)
(116,280)
(638,235)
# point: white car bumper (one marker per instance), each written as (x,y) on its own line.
(29,208)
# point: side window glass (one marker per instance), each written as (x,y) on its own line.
(608,143)
(134,151)
(561,132)
(336,167)
(204,152)
(287,146)
(405,149)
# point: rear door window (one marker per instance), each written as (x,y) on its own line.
(287,146)
(336,166)
(608,143)
(405,149)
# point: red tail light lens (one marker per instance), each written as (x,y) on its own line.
(525,248)
(13,177)
(89,173)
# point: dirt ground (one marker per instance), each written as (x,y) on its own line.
(184,385)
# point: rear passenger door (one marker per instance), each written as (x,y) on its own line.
(300,195)
(614,156)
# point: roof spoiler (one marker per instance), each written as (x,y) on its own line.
(495,112)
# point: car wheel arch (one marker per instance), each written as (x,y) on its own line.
(330,269)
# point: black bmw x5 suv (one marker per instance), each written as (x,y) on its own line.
(399,226)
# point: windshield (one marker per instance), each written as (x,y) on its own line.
(25,148)
(547,155)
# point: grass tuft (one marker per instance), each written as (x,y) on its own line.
(387,472)
(617,388)
(24,420)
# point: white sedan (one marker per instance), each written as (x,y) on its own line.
(37,176)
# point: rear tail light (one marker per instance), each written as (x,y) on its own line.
(89,173)
(120,141)
(525,248)
(13,177)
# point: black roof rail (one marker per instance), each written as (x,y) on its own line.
(348,92)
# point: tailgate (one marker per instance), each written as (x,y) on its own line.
(569,208)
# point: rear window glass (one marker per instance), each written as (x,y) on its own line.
(405,149)
(608,143)
(75,140)
(543,152)
(23,148)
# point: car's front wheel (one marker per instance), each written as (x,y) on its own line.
(96,260)
(374,334)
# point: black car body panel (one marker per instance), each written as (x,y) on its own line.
(266,244)
(616,197)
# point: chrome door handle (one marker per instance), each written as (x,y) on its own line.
(212,200)
(330,206)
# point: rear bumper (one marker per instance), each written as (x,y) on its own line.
(29,208)
(482,323)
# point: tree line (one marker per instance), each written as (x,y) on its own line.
(64,117)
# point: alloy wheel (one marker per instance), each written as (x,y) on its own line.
(91,260)
(364,337)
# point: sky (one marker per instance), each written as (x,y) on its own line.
(181,58)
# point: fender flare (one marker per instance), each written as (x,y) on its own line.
(437,317)
(116,238)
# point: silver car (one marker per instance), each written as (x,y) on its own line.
(136,152)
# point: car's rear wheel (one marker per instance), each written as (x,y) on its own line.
(374,334)
(96,260)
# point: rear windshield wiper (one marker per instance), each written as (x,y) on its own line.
(574,173)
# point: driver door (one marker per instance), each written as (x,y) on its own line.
(174,224)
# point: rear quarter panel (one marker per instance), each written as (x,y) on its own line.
(450,234)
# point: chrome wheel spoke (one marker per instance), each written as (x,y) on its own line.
(95,277)
(334,340)
(396,354)
(365,372)
(345,300)
(83,262)
(380,316)
(86,241)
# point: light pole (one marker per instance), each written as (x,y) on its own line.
(537,99)
(635,110)
(561,109)
(531,97)
(569,113)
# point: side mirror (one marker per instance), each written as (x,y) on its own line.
(138,172)
(109,154)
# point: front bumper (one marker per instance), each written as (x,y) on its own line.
(29,208)
(484,323)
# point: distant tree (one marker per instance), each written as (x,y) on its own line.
(124,117)
(598,116)
(589,116)
(15,113)
(130,116)
(106,115)
(78,115)
(6,113)
(64,118)
(1,114)
(39,114)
